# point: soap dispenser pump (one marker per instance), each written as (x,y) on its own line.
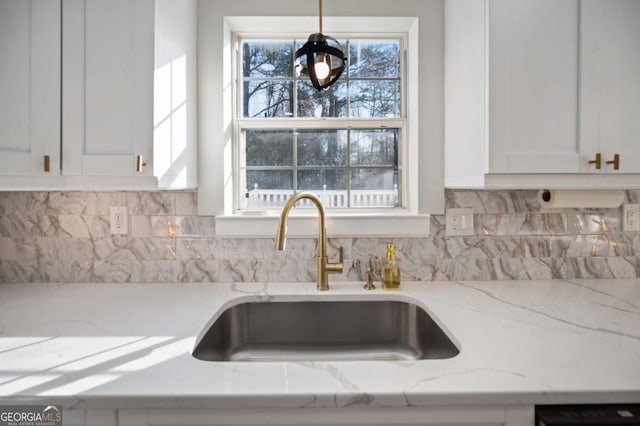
(391,270)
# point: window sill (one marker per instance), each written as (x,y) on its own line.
(338,225)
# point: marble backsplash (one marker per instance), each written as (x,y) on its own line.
(65,237)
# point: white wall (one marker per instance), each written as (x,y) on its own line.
(175,88)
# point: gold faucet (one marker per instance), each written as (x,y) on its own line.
(324,267)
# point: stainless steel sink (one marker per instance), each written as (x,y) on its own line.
(324,331)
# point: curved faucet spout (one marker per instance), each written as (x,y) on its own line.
(324,267)
(281,236)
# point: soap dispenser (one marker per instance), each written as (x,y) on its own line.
(391,270)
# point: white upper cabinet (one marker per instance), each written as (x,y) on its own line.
(97,94)
(533,86)
(30,87)
(536,89)
(108,63)
(129,93)
(610,81)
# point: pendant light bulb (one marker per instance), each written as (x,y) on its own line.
(322,68)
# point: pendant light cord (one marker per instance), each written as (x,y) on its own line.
(320,14)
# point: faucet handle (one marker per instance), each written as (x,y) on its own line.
(369,278)
(339,266)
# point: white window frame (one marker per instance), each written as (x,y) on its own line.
(310,123)
(424,106)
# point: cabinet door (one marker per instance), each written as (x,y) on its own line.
(108,87)
(29,87)
(610,81)
(533,86)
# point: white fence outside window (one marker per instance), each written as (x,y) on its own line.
(264,198)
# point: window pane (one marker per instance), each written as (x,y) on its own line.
(374,98)
(322,147)
(271,58)
(334,179)
(269,179)
(374,188)
(268,99)
(374,147)
(374,58)
(325,103)
(269,147)
(267,188)
(374,178)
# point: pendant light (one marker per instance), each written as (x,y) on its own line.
(321,58)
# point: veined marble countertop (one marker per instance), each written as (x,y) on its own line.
(128,345)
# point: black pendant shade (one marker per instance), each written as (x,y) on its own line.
(322,59)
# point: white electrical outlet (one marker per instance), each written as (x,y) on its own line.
(631,217)
(119,220)
(459,222)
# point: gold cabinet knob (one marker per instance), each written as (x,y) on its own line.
(47,164)
(615,162)
(597,161)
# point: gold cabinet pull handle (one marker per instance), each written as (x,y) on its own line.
(597,161)
(615,162)
(139,163)
(47,164)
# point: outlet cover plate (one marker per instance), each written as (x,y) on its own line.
(459,222)
(119,220)
(631,217)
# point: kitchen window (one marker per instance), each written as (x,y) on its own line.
(409,131)
(345,143)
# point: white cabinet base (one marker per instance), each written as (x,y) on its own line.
(519,415)
(548,180)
